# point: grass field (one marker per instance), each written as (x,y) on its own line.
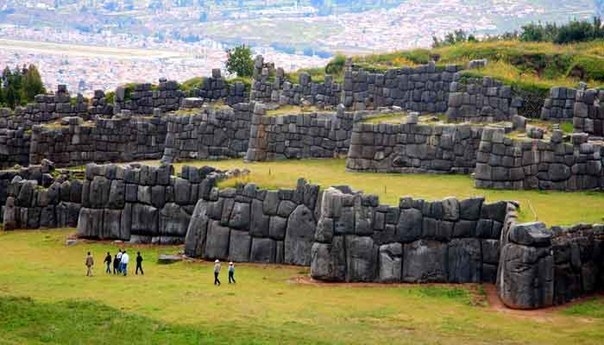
(554,208)
(46,298)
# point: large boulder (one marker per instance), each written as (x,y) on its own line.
(90,223)
(144,220)
(263,250)
(259,222)
(425,261)
(197,230)
(217,241)
(526,278)
(173,221)
(361,259)
(464,261)
(390,262)
(531,234)
(328,261)
(239,247)
(240,216)
(299,236)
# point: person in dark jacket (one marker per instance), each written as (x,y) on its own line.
(117,261)
(108,263)
(139,263)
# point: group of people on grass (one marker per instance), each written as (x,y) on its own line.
(121,259)
(119,262)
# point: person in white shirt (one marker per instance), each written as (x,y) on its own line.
(216,272)
(125,259)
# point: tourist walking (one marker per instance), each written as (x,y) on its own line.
(108,263)
(117,262)
(139,263)
(216,272)
(231,273)
(89,263)
(124,263)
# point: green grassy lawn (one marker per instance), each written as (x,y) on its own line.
(45,297)
(554,208)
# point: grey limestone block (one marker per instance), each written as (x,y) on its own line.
(263,250)
(390,262)
(239,246)
(300,233)
(464,261)
(173,221)
(195,238)
(425,261)
(328,261)
(526,278)
(361,259)
(217,241)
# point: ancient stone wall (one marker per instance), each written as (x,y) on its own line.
(310,135)
(208,133)
(216,88)
(14,147)
(117,139)
(141,204)
(41,174)
(589,112)
(271,85)
(506,163)
(413,147)
(359,240)
(481,100)
(541,267)
(424,88)
(32,206)
(248,224)
(560,104)
(141,99)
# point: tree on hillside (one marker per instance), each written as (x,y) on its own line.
(32,83)
(20,85)
(239,61)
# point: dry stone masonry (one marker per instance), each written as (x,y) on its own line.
(253,225)
(560,104)
(506,163)
(142,204)
(588,114)
(413,147)
(310,135)
(217,88)
(541,267)
(118,139)
(357,239)
(424,88)
(208,133)
(271,85)
(481,100)
(142,99)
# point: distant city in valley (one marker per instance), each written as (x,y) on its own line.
(99,44)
